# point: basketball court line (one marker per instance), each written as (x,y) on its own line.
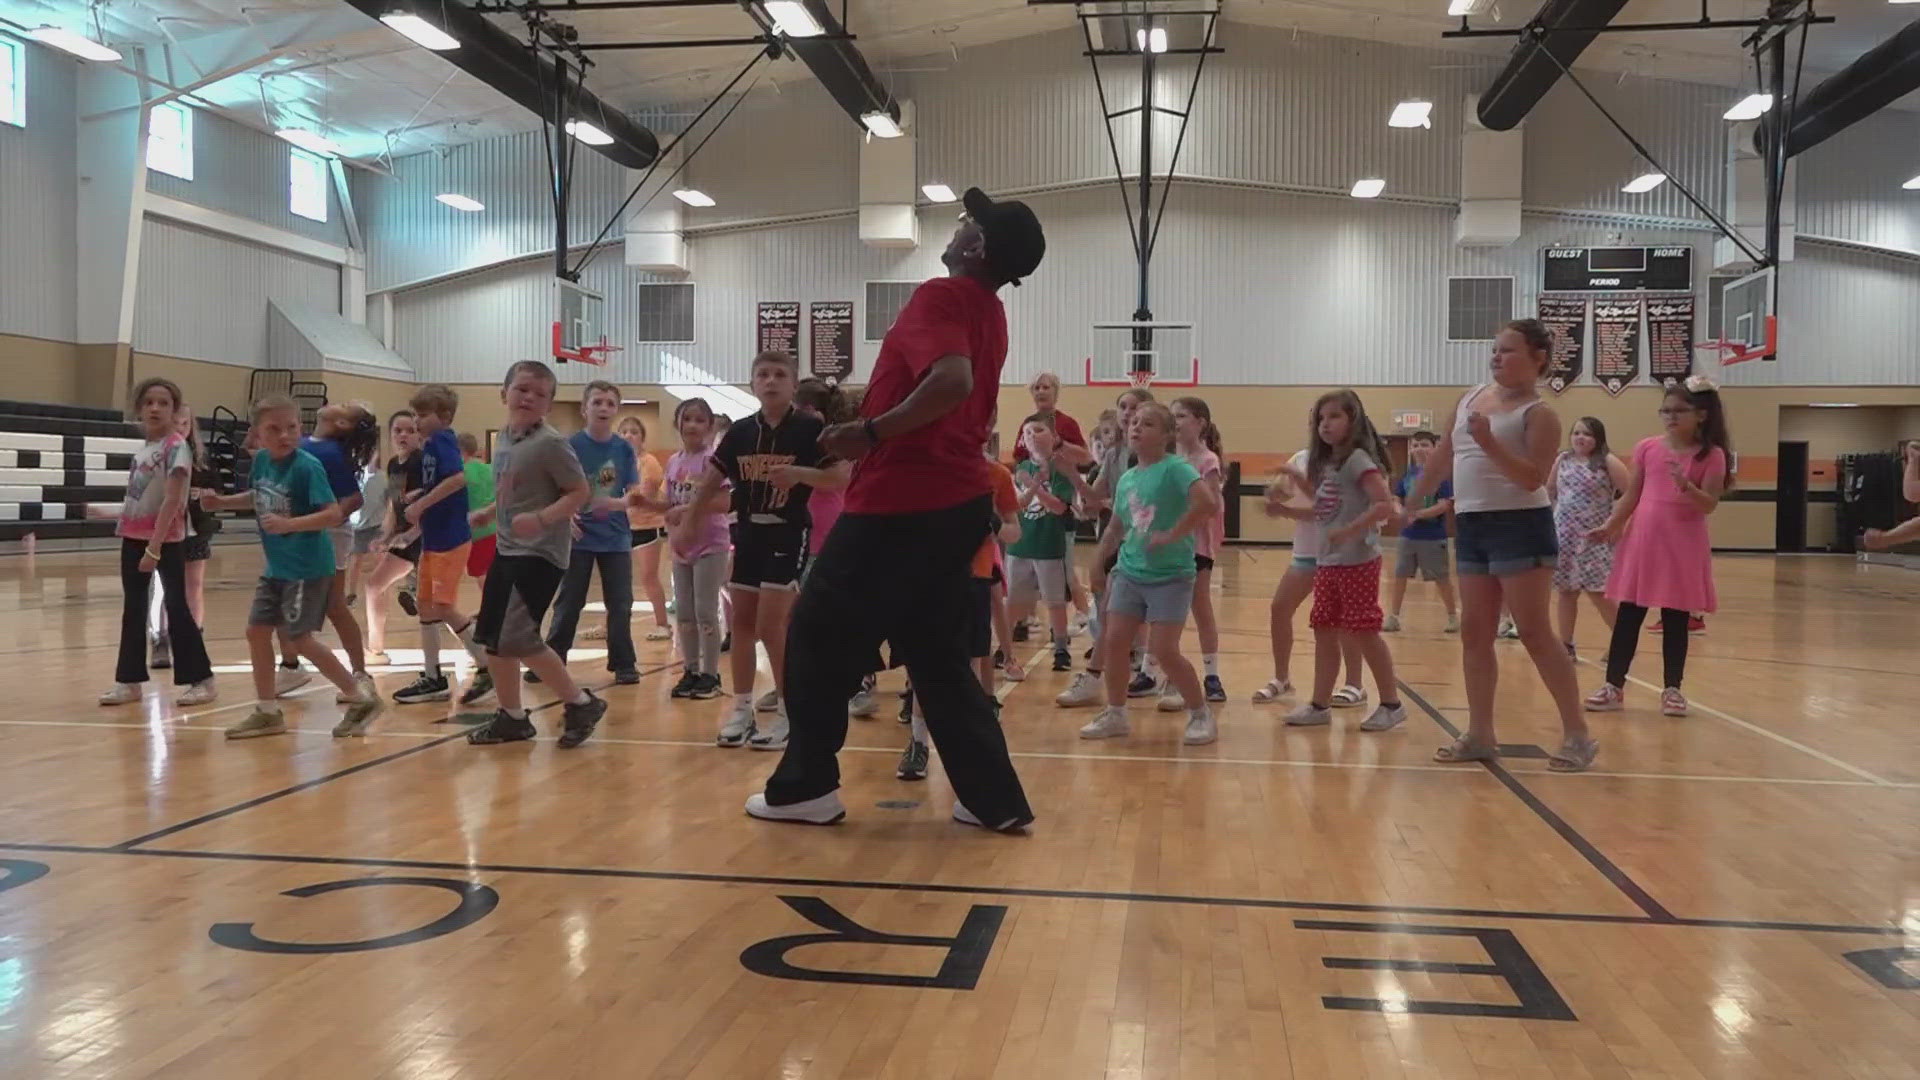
(470,867)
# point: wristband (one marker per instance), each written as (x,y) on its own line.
(873,433)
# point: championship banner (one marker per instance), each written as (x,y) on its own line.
(1566,318)
(1670,339)
(1616,343)
(832,339)
(778,327)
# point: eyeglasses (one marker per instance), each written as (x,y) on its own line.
(1682,411)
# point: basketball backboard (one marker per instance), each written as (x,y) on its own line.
(1749,329)
(577,331)
(1142,354)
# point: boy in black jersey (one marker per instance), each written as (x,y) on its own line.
(771,458)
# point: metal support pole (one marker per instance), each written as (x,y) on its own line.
(562,168)
(1144,247)
(1777,144)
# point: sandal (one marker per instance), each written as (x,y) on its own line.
(594,633)
(1574,755)
(1272,692)
(1464,749)
(1348,697)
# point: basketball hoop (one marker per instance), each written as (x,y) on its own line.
(596,354)
(1140,380)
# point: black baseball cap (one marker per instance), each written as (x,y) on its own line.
(1015,243)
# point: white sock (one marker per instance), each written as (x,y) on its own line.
(919,728)
(271,708)
(1212,663)
(580,697)
(430,647)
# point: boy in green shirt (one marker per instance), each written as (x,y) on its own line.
(479,499)
(1037,563)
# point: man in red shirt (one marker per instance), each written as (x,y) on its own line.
(896,566)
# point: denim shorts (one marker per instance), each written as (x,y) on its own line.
(1157,602)
(1505,542)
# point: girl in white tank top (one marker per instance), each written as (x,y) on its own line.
(1499,451)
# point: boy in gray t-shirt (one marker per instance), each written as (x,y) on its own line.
(538,486)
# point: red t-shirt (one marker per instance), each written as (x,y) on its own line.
(1064,426)
(941,464)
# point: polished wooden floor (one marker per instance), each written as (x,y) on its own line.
(1736,894)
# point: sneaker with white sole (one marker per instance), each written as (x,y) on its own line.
(288,679)
(200,693)
(1385,718)
(1201,728)
(825,810)
(1084,690)
(1306,715)
(862,705)
(480,690)
(1171,700)
(1508,630)
(1606,699)
(361,681)
(768,702)
(1214,690)
(426,688)
(738,728)
(359,714)
(1348,697)
(1142,685)
(1391,625)
(659,633)
(1453,623)
(121,694)
(1110,724)
(259,722)
(773,736)
(913,762)
(966,817)
(1673,702)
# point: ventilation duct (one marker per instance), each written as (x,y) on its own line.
(1883,75)
(1530,72)
(838,65)
(504,63)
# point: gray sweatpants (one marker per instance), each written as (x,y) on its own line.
(696,605)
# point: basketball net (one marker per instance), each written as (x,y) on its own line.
(1140,380)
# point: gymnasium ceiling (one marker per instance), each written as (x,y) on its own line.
(378,94)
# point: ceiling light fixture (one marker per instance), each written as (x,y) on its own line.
(588,134)
(1751,107)
(460,202)
(67,41)
(693,197)
(1154,40)
(1412,114)
(1645,182)
(792,18)
(938,192)
(1913,184)
(420,31)
(1369,188)
(1468,7)
(882,125)
(311,141)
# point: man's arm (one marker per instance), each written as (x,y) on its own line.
(947,385)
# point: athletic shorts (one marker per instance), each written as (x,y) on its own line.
(768,556)
(341,538)
(297,608)
(643,537)
(409,552)
(980,623)
(1505,542)
(1347,598)
(1428,557)
(1045,579)
(1159,602)
(363,540)
(514,600)
(1202,562)
(480,555)
(197,548)
(440,573)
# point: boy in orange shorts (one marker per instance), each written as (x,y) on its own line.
(439,511)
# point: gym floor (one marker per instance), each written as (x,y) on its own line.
(1735,894)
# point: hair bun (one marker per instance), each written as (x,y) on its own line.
(1700,384)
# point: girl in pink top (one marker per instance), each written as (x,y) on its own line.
(699,552)
(152,530)
(1666,560)
(1198,440)
(819,398)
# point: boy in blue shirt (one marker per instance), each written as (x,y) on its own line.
(295,507)
(1423,543)
(439,511)
(601,535)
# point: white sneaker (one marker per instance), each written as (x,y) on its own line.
(1201,728)
(1171,700)
(1083,691)
(121,694)
(1110,724)
(1308,716)
(825,810)
(862,706)
(367,689)
(1391,625)
(1385,718)
(287,680)
(1453,624)
(1348,697)
(199,693)
(967,817)
(768,702)
(773,736)
(739,726)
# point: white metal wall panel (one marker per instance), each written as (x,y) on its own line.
(1847,318)
(245,172)
(204,297)
(38,183)
(1849,186)
(794,152)
(1576,161)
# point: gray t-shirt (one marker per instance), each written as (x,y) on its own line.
(530,470)
(1339,500)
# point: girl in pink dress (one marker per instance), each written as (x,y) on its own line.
(1666,561)
(1198,440)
